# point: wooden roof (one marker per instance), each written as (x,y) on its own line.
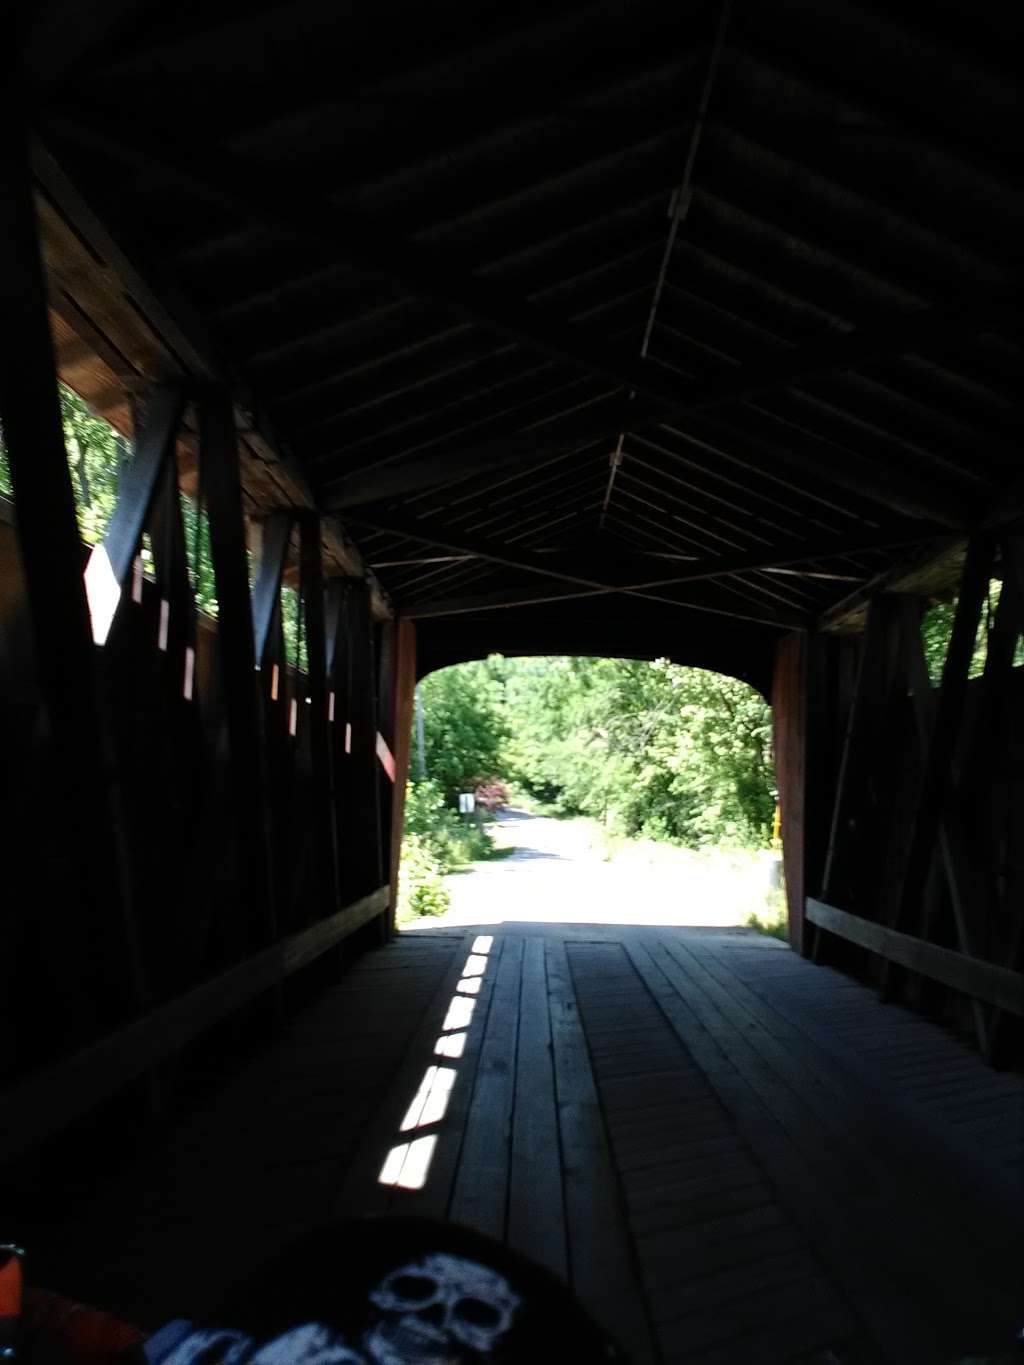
(546,300)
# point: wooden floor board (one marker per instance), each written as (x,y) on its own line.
(707,1291)
(713,1140)
(536,1212)
(480,1192)
(683,1255)
(601,1259)
(462,1060)
(667,1198)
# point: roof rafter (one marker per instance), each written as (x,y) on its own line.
(583,572)
(282,201)
(578,570)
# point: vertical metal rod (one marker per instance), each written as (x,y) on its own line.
(680,206)
(421,756)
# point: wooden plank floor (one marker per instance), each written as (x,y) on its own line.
(730,1154)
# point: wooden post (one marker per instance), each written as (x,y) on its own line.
(177,621)
(990,731)
(84,783)
(789,727)
(246,736)
(876,680)
(325,835)
(336,646)
(966,891)
(363,804)
(939,730)
(404,692)
(266,595)
(386,657)
(144,483)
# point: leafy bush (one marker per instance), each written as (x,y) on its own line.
(649,748)
(421,888)
(464,727)
(450,839)
(775,926)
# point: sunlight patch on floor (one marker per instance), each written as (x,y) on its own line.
(407,1164)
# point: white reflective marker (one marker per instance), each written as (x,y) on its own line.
(101,593)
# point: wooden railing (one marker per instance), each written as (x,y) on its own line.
(50,1099)
(920,863)
(984,981)
(188,817)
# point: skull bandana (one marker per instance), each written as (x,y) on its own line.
(441,1310)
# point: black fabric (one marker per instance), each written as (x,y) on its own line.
(393,1292)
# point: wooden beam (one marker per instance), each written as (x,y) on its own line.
(339,679)
(982,981)
(777,558)
(872,696)
(796,450)
(939,734)
(266,596)
(404,694)
(321,749)
(140,479)
(182,347)
(789,703)
(812,457)
(967,891)
(718,603)
(177,622)
(84,779)
(49,1100)
(385,662)
(990,717)
(362,803)
(283,202)
(235,636)
(781,443)
(567,569)
(111,563)
(928,569)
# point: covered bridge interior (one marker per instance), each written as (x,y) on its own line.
(624,329)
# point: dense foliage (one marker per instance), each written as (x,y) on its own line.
(97,455)
(937,628)
(463,727)
(650,748)
(437,840)
(421,888)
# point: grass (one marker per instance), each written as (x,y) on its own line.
(775,922)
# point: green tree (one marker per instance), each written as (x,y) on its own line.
(464,727)
(652,748)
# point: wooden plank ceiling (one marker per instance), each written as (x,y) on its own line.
(717,304)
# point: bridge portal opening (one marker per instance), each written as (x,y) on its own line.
(590,790)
